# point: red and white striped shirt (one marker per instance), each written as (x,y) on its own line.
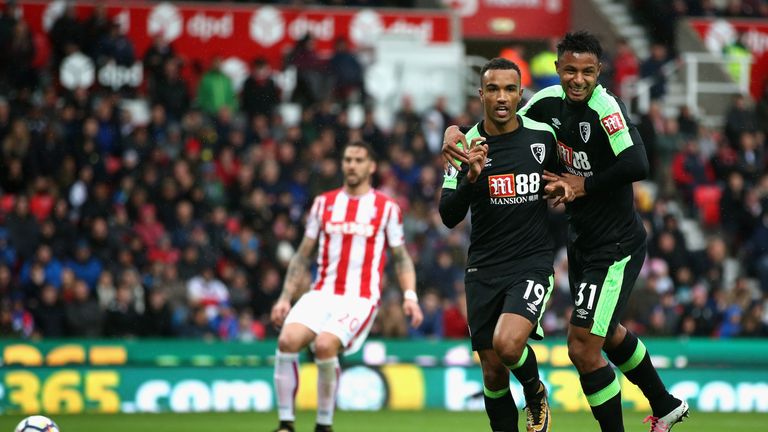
(353,233)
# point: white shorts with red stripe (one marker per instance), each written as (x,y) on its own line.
(348,318)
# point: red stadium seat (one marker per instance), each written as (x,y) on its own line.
(707,199)
(7,201)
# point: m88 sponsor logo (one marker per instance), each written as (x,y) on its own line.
(514,188)
(573,159)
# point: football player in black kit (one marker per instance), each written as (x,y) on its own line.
(509,274)
(602,155)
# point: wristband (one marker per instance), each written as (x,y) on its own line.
(411,295)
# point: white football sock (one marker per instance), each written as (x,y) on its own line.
(286,384)
(327,382)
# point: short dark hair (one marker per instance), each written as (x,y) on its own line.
(580,42)
(500,63)
(362,144)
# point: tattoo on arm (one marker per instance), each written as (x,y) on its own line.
(402,261)
(298,268)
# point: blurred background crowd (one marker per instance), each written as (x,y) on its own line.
(183,226)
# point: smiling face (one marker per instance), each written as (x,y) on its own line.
(500,94)
(578,74)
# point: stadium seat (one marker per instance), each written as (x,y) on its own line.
(707,199)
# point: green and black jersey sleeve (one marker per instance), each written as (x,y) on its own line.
(506,203)
(596,141)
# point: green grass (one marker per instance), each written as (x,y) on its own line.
(385,421)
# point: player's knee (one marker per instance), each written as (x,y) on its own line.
(495,376)
(510,351)
(287,342)
(326,346)
(583,356)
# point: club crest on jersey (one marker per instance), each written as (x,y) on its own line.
(585,130)
(538,150)
(612,123)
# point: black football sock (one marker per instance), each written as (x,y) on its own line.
(631,357)
(526,370)
(604,396)
(501,410)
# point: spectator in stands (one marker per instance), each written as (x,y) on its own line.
(543,70)
(215,90)
(761,111)
(17,142)
(689,125)
(21,51)
(121,318)
(115,47)
(260,94)
(407,117)
(668,144)
(432,325)
(157,320)
(95,29)
(751,158)
(50,266)
(516,54)
(700,317)
(739,118)
(757,248)
(311,84)
(455,318)
(85,266)
(197,325)
(391,320)
(48,314)
(347,73)
(67,32)
(170,90)
(156,56)
(207,291)
(625,67)
(719,271)
(690,170)
(736,221)
(753,324)
(83,314)
(653,68)
(7,257)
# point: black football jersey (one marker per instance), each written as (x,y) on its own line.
(508,209)
(591,138)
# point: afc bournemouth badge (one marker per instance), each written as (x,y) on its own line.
(585,130)
(538,151)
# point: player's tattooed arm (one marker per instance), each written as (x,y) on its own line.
(297,274)
(404,265)
(406,275)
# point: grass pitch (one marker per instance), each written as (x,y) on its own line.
(383,421)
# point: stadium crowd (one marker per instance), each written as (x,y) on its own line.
(183,226)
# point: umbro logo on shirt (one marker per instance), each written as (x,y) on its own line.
(556,122)
(487,162)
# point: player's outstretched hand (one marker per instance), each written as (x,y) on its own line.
(279,312)
(413,310)
(451,151)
